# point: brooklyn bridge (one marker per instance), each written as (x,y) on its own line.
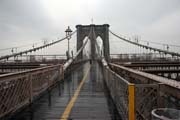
(90,85)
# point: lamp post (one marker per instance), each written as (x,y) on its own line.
(68,35)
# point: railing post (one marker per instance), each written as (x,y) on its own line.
(31,88)
(160,100)
(62,73)
(59,87)
(131,105)
(59,81)
(31,95)
(49,89)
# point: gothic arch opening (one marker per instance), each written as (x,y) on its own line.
(86,50)
(99,46)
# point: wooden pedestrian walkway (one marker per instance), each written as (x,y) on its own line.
(82,98)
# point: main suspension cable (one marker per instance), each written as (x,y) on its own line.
(157,43)
(36,48)
(68,63)
(145,46)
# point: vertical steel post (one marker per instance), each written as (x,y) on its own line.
(31,88)
(49,97)
(31,96)
(68,50)
(49,91)
(59,87)
(59,79)
(131,89)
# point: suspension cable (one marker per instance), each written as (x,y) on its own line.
(145,46)
(36,48)
(21,46)
(68,63)
(83,46)
(157,43)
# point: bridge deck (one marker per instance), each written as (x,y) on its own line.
(91,102)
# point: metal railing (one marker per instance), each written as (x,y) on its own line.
(146,99)
(21,88)
(145,91)
(121,91)
(118,88)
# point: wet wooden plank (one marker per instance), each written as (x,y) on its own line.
(91,102)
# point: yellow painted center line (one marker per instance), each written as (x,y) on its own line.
(67,111)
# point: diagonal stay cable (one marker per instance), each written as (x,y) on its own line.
(145,46)
(68,63)
(35,49)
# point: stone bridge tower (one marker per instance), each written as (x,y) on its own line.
(101,31)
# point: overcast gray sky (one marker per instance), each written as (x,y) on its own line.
(28,21)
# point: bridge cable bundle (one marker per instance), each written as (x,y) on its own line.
(16,47)
(35,49)
(146,46)
(68,63)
